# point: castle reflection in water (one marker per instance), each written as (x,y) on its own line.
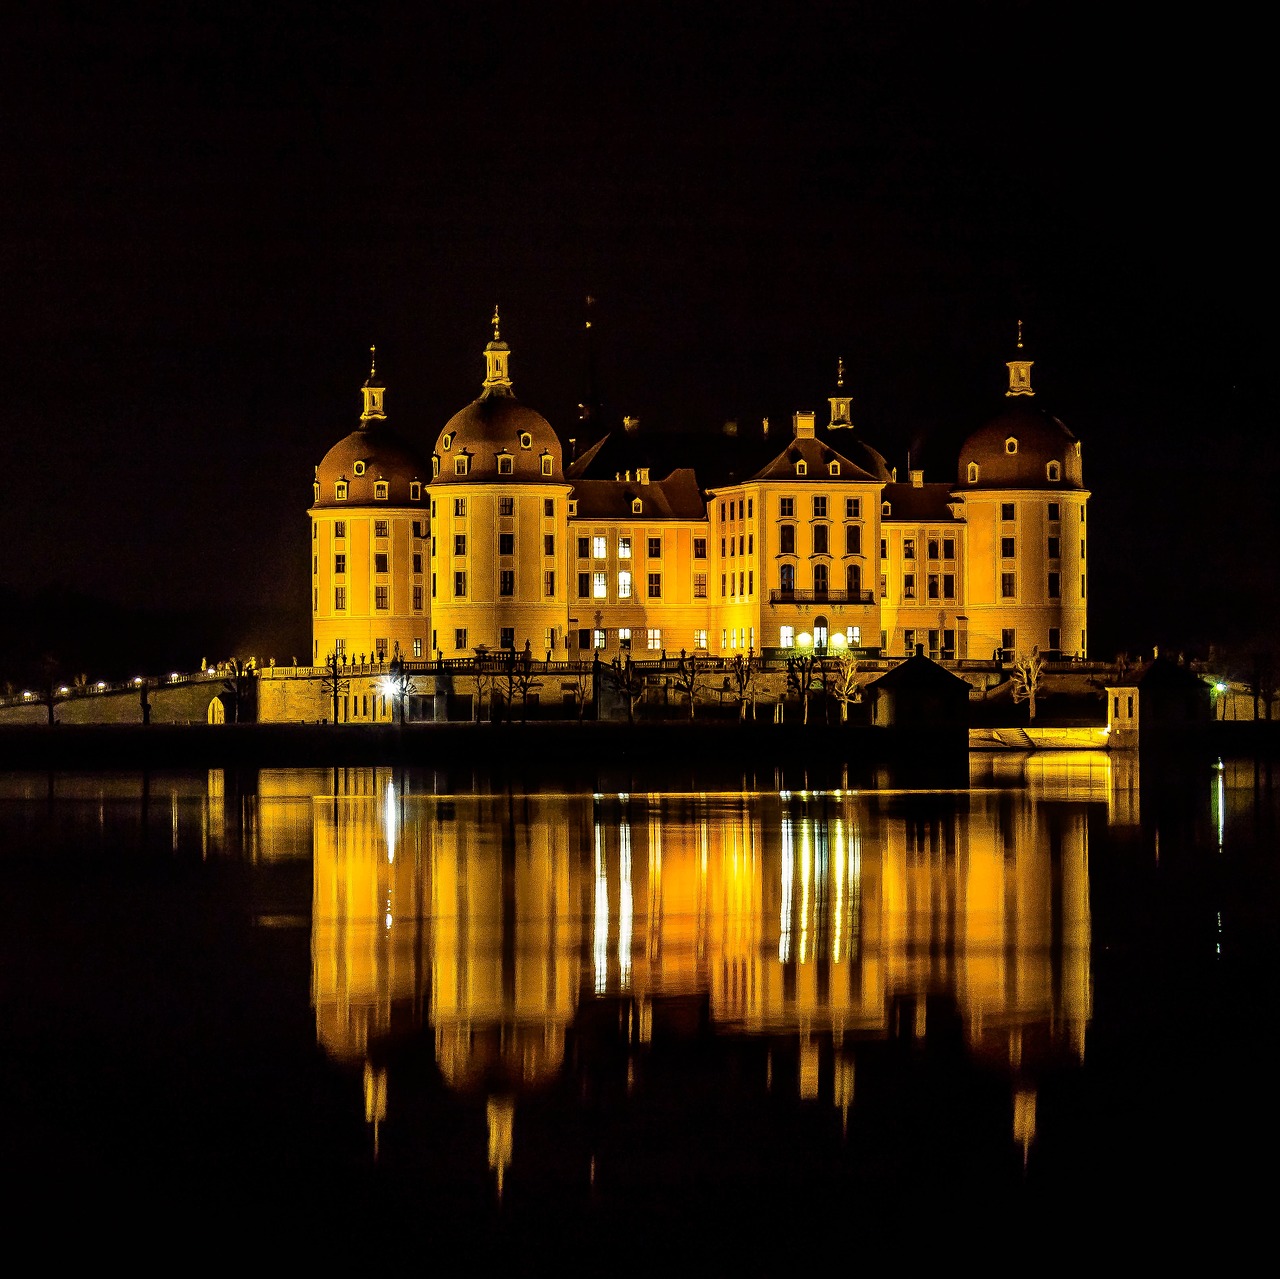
(496,923)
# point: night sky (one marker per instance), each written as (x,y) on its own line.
(210,211)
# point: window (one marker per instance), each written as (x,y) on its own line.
(655,586)
(460,464)
(340,528)
(1055,588)
(819,508)
(315,565)
(460,637)
(547,463)
(600,585)
(415,495)
(787,579)
(505,463)
(820,579)
(447,441)
(948,586)
(739,508)
(506,506)
(721,512)
(1007,510)
(417,648)
(506,582)
(380,646)
(722,547)
(931,548)
(584,640)
(787,539)
(380,491)
(459,543)
(1054,511)
(724,639)
(549,584)
(435,466)
(624,584)
(751,581)
(433,589)
(584,585)
(908,586)
(948,548)
(833,468)
(459,505)
(973,472)
(909,641)
(624,638)
(624,548)
(417,561)
(584,548)
(1008,586)
(381,597)
(1081,512)
(548,544)
(853,508)
(459,584)
(699,586)
(786,508)
(787,637)
(1082,586)
(573,506)
(380,528)
(417,599)
(1055,639)
(751,543)
(1053,548)
(339,563)
(654,638)
(802,468)
(751,505)
(637,506)
(908,548)
(853,539)
(724,590)
(599,546)
(340,490)
(820,532)
(1011,445)
(884,548)
(1008,639)
(1054,472)
(932,586)
(506,543)
(549,507)
(340,599)
(1082,548)
(507,637)
(549,640)
(655,548)
(699,548)
(526,440)
(853,579)
(700,639)
(1008,548)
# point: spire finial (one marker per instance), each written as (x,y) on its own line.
(373,362)
(1019,371)
(496,336)
(1019,335)
(497,380)
(840,371)
(372,391)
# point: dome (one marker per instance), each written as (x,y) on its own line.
(370,455)
(1022,448)
(501,439)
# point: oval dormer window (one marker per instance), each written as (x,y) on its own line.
(1011,445)
(526,440)
(358,468)
(1054,471)
(973,472)
(447,441)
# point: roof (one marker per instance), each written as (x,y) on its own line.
(379,454)
(675,498)
(924,502)
(495,425)
(1037,437)
(818,457)
(919,672)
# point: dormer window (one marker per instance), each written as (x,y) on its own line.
(461,464)
(340,491)
(415,491)
(637,506)
(447,441)
(526,440)
(546,464)
(380,491)
(505,463)
(358,468)
(885,510)
(802,468)
(1054,471)
(833,468)
(973,472)
(573,506)
(435,465)
(1011,445)
(316,487)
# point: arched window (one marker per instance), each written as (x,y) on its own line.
(853,579)
(787,579)
(834,468)
(1054,471)
(505,463)
(802,468)
(973,472)
(820,580)
(819,632)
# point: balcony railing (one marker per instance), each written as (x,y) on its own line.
(821,597)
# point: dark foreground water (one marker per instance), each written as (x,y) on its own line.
(334,1014)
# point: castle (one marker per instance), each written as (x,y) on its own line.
(645,544)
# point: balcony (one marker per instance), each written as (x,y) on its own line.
(821,597)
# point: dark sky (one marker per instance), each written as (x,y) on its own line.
(209,212)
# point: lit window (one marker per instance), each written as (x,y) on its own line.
(380,491)
(506,582)
(699,586)
(598,638)
(624,584)
(624,548)
(624,638)
(787,637)
(654,638)
(600,586)
(417,648)
(381,595)
(700,639)
(599,547)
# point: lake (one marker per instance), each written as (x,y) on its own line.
(359,1013)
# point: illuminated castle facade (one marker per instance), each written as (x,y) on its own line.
(647,544)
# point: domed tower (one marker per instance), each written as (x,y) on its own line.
(499,506)
(368,542)
(1023,498)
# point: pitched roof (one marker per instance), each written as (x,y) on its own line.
(919,502)
(677,497)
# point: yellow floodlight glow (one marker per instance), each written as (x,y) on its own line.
(804,640)
(838,640)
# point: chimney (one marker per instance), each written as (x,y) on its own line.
(917,479)
(803,423)
(642,474)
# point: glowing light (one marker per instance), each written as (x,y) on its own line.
(64,689)
(804,640)
(838,640)
(1219,687)
(27,694)
(137,679)
(101,685)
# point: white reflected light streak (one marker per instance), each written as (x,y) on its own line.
(788,880)
(600,937)
(624,902)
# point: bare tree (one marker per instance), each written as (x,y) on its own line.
(332,686)
(743,670)
(525,680)
(804,672)
(580,672)
(844,681)
(629,682)
(1028,669)
(690,675)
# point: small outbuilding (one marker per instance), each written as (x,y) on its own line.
(919,694)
